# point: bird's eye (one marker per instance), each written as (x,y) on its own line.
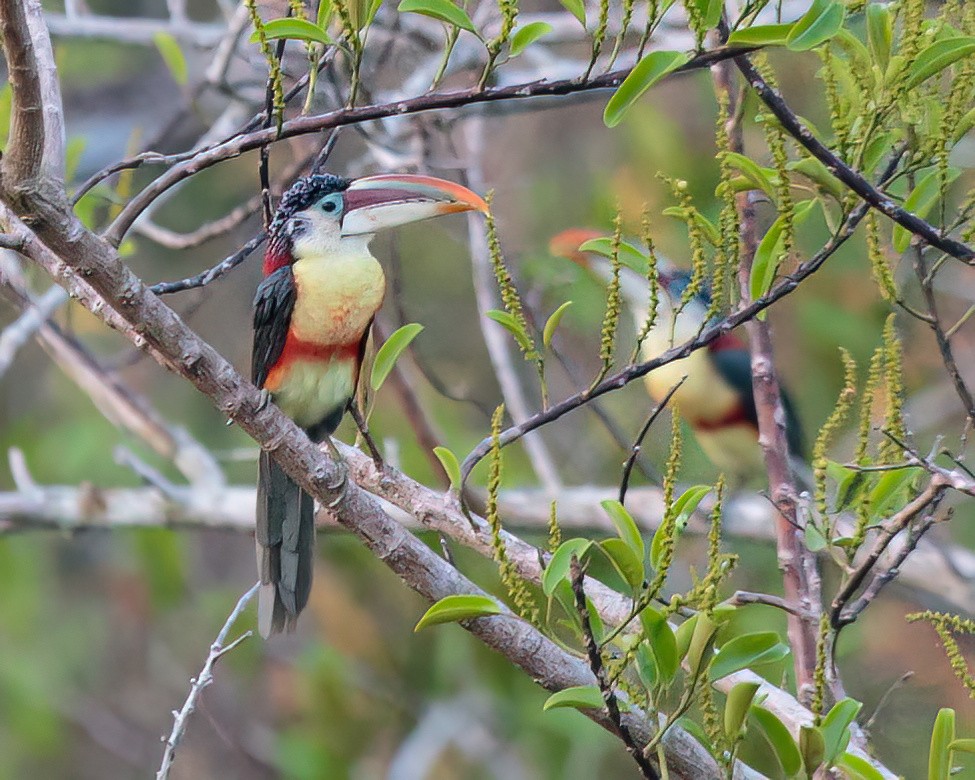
(329,206)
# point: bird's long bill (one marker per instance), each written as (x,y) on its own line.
(374,203)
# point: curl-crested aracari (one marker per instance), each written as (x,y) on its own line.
(312,315)
(716,399)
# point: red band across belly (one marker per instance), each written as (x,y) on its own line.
(736,416)
(297,349)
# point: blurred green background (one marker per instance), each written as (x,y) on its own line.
(100,631)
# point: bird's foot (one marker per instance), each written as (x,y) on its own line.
(265,399)
(341,485)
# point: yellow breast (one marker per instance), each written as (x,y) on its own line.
(338,295)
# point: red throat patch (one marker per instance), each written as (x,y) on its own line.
(274,258)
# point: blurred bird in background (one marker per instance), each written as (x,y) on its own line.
(312,316)
(716,399)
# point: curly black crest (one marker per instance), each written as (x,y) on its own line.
(303,193)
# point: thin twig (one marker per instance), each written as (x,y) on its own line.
(217,650)
(638,442)
(599,672)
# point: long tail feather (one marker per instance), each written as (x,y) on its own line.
(285,537)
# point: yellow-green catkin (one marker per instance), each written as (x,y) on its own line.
(668,525)
(838,109)
(696,239)
(506,286)
(514,585)
(554,530)
(830,428)
(628,7)
(775,139)
(614,300)
(890,451)
(719,566)
(711,720)
(653,18)
(599,34)
(817,705)
(946,625)
(873,385)
(882,273)
(726,257)
(274,67)
(653,283)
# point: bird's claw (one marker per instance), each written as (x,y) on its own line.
(341,485)
(265,399)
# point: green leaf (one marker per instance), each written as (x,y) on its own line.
(963,745)
(646,666)
(747,650)
(682,510)
(297,29)
(451,465)
(324,13)
(815,541)
(172,55)
(663,643)
(390,351)
(938,56)
(891,489)
(926,193)
(857,767)
(625,561)
(625,526)
(942,735)
(444,10)
(736,708)
(509,323)
(629,255)
(701,649)
(820,23)
(780,740)
(582,697)
(710,11)
(812,747)
(558,566)
(548,333)
(644,75)
(755,173)
(818,173)
(525,36)
(769,253)
(577,8)
(880,33)
(836,728)
(761,35)
(709,229)
(683,635)
(450,609)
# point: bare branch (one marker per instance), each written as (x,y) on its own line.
(217,650)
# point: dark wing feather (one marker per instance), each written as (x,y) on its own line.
(735,366)
(273,306)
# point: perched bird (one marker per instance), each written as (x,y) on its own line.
(312,315)
(716,399)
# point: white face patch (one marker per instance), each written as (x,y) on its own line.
(318,234)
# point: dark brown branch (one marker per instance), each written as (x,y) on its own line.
(599,672)
(435,101)
(849,177)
